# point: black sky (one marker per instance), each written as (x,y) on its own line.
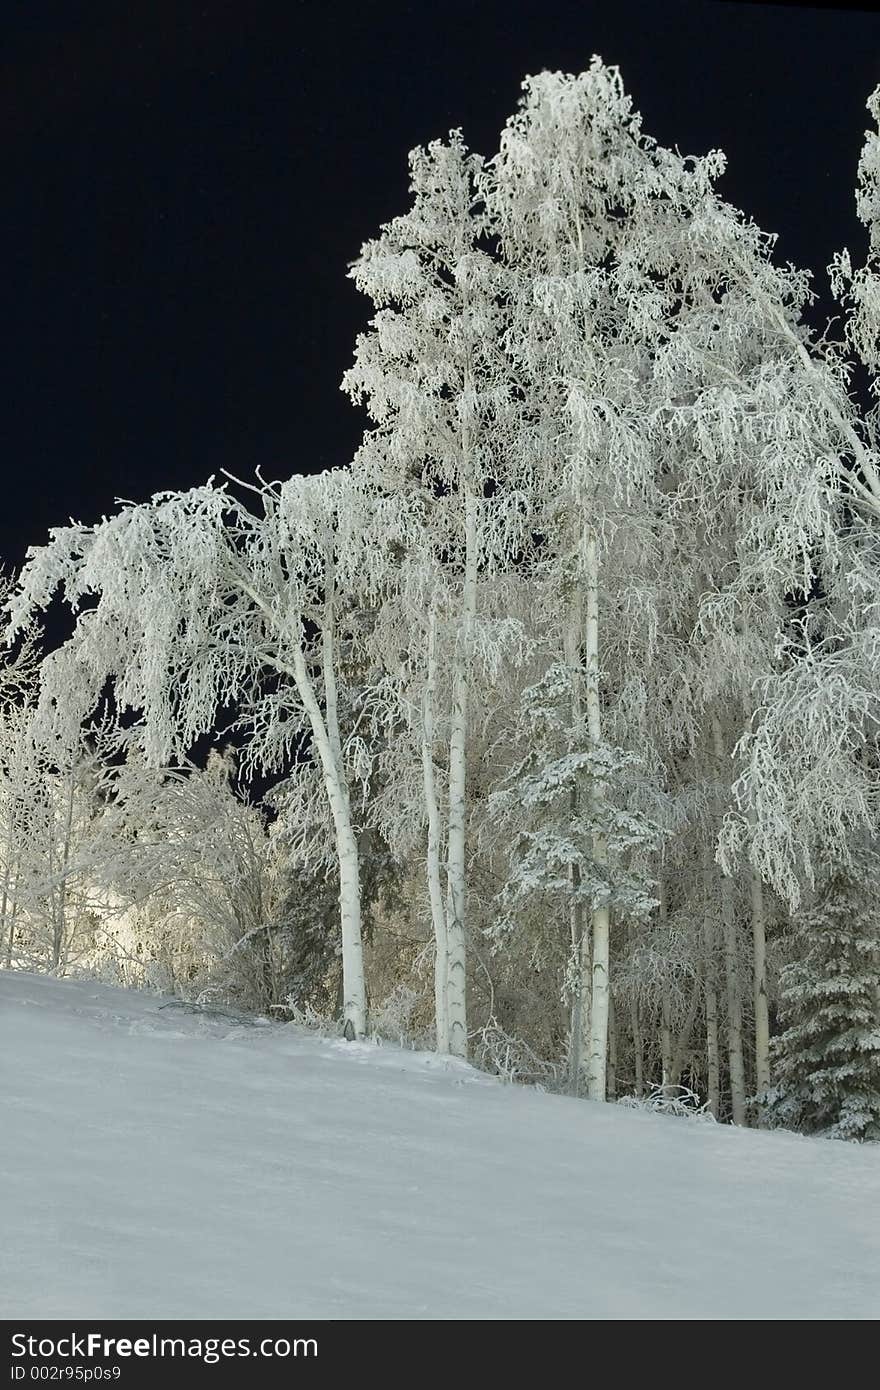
(186,184)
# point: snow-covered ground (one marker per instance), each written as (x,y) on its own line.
(159,1164)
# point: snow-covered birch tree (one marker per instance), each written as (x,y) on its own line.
(807,783)
(672,401)
(193,604)
(432,375)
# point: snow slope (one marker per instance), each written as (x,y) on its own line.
(156,1164)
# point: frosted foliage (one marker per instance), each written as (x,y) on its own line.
(431,370)
(653,322)
(807,782)
(181,846)
(671,1100)
(859,290)
(810,774)
(555,799)
(187,603)
(868,195)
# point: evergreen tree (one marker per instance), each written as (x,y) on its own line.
(827,1062)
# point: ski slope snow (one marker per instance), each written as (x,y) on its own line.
(156,1163)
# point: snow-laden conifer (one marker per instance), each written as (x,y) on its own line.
(826,1061)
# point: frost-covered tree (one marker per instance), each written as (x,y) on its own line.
(21,774)
(435,381)
(51,805)
(20,771)
(416,634)
(826,1062)
(668,408)
(183,842)
(194,603)
(562,190)
(808,782)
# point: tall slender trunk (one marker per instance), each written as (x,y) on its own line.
(734,1004)
(600,918)
(10,939)
(328,659)
(762,1016)
(713,1068)
(456,893)
(731,971)
(435,888)
(666,1042)
(612,1050)
(354,1000)
(59,915)
(576,1012)
(579,1038)
(684,1038)
(710,997)
(665,1004)
(328,742)
(638,1053)
(579,1031)
(4,904)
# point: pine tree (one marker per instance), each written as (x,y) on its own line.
(827,1062)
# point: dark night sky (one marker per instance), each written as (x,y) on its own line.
(185,185)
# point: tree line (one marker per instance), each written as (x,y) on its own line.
(566,683)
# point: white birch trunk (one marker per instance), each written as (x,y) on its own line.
(328,660)
(456,902)
(762,1016)
(600,918)
(354,993)
(435,888)
(731,973)
(4,905)
(326,734)
(328,742)
(575,1020)
(10,937)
